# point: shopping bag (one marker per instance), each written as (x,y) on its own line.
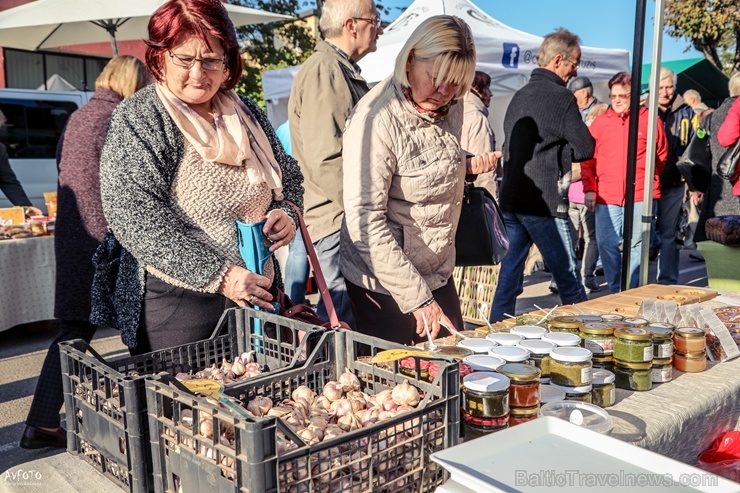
(723,456)
(695,164)
(481,237)
(254,247)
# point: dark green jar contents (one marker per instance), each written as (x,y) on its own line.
(636,376)
(633,345)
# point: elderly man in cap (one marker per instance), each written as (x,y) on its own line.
(583,90)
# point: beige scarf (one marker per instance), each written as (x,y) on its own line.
(235,138)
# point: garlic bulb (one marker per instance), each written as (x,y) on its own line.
(332,391)
(349,381)
(304,392)
(259,406)
(405,394)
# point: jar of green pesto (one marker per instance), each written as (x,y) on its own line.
(603,390)
(598,337)
(565,323)
(633,345)
(539,356)
(633,376)
(570,366)
(662,341)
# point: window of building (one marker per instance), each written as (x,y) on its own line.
(34,69)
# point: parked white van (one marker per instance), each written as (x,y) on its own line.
(35,123)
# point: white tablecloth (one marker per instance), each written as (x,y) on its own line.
(27,271)
(680,419)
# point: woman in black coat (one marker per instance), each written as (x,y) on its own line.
(80,228)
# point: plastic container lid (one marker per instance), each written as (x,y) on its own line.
(478,346)
(602,376)
(509,353)
(536,346)
(584,389)
(504,339)
(582,414)
(486,381)
(562,338)
(529,331)
(550,393)
(571,354)
(483,362)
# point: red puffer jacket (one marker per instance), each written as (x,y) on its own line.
(606,173)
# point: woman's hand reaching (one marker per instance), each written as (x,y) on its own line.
(434,315)
(245,288)
(483,163)
(279,229)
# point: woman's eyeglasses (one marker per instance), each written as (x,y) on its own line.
(623,97)
(188,62)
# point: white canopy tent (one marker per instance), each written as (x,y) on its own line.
(505,53)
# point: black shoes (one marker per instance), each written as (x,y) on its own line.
(34,438)
(593,286)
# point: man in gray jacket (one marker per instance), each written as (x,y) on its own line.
(324,92)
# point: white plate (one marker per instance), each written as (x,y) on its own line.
(549,454)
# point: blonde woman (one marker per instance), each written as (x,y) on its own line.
(80,227)
(403,185)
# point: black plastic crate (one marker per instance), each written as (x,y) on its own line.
(187,461)
(106,409)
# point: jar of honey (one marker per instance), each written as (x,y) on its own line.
(689,340)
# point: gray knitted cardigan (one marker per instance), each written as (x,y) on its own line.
(142,153)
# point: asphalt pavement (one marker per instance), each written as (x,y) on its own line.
(22,351)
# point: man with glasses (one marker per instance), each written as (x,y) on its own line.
(324,92)
(544,134)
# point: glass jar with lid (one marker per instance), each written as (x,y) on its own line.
(662,369)
(662,341)
(483,362)
(580,394)
(510,354)
(690,362)
(689,340)
(585,318)
(638,322)
(550,393)
(478,346)
(633,376)
(571,366)
(529,331)
(520,415)
(524,388)
(539,356)
(663,325)
(565,323)
(562,339)
(603,361)
(485,403)
(603,390)
(633,345)
(598,337)
(612,317)
(504,338)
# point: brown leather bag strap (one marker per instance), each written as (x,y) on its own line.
(313,260)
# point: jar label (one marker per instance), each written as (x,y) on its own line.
(647,354)
(602,346)
(586,375)
(660,375)
(664,350)
(613,396)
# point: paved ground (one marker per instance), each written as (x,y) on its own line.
(22,351)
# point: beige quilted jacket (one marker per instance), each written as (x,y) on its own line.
(403,185)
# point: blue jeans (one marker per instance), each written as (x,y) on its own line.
(296,270)
(609,231)
(669,212)
(327,249)
(552,236)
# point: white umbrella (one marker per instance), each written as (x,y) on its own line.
(51,23)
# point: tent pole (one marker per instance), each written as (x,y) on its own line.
(653,121)
(629,199)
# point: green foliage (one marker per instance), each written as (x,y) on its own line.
(273,45)
(712,27)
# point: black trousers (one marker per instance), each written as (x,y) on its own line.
(173,316)
(378,314)
(49,395)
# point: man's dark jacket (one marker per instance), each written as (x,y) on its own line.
(544,134)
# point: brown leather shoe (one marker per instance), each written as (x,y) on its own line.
(34,438)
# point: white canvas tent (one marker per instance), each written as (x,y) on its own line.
(505,53)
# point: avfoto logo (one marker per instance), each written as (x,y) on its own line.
(510,58)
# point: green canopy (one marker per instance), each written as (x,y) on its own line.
(697,73)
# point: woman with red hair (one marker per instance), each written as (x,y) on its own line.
(605,179)
(184,159)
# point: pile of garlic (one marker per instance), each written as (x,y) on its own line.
(243,368)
